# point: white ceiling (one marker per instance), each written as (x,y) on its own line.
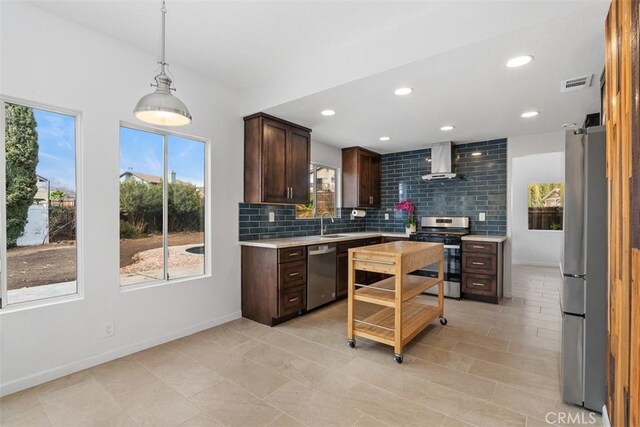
(306,55)
(469,88)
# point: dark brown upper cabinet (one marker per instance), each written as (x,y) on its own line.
(276,160)
(360,178)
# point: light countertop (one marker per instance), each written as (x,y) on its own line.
(287,242)
(482,238)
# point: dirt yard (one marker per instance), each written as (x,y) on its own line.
(55,263)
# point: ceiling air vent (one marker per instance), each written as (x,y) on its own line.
(576,83)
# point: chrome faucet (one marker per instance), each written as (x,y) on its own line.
(322,230)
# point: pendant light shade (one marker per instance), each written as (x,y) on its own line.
(161,107)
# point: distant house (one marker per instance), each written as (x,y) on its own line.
(150,179)
(553,198)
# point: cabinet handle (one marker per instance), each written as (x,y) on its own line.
(478,284)
(477,247)
(477,263)
(291,193)
(294,299)
(293,274)
(294,254)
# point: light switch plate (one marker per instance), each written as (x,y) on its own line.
(386,216)
(481,216)
(272,216)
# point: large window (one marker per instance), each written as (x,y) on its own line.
(322,193)
(38,204)
(162,206)
(545,206)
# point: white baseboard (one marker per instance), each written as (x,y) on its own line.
(534,264)
(88,362)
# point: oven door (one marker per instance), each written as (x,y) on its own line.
(452,265)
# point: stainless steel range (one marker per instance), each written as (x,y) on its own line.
(448,230)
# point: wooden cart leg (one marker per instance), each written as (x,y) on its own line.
(398,316)
(350,300)
(443,320)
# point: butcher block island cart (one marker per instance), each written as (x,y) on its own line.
(399,319)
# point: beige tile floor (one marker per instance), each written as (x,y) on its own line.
(491,365)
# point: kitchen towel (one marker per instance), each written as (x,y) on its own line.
(358,213)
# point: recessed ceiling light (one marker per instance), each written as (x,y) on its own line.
(384,138)
(328,113)
(519,61)
(528,114)
(446,128)
(476,154)
(402,91)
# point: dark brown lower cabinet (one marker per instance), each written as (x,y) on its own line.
(482,271)
(274,283)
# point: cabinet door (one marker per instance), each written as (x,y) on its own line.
(364,179)
(274,163)
(374,173)
(342,275)
(298,166)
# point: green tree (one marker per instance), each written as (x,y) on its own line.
(21,152)
(57,195)
(140,203)
(186,207)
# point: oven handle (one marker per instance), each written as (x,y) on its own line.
(452,246)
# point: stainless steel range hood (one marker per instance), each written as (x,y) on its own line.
(442,162)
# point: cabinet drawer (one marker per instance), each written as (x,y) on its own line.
(291,300)
(394,239)
(292,274)
(374,241)
(345,246)
(480,247)
(479,263)
(477,284)
(292,254)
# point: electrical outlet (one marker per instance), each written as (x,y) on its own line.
(272,216)
(481,216)
(109,330)
(386,216)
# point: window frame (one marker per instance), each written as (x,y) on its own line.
(337,194)
(79,293)
(208,268)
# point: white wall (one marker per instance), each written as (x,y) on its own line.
(534,247)
(520,147)
(49,60)
(325,154)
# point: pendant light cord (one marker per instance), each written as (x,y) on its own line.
(163,60)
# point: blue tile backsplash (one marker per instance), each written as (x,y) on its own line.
(483,189)
(255,225)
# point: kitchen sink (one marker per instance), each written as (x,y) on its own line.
(333,236)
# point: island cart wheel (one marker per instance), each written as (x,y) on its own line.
(352,343)
(443,320)
(398,358)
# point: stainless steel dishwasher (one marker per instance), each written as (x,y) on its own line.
(321,275)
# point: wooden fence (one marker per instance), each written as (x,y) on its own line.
(546,218)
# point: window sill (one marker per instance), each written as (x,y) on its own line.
(157,283)
(58,293)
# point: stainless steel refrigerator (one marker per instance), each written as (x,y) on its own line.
(584,268)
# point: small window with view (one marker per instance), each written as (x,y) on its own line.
(322,193)
(545,206)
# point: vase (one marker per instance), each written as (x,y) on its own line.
(410,229)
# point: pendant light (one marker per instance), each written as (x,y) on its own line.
(161,107)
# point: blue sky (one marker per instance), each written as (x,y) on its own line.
(141,151)
(56,139)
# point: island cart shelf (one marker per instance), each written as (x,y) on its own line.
(399,319)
